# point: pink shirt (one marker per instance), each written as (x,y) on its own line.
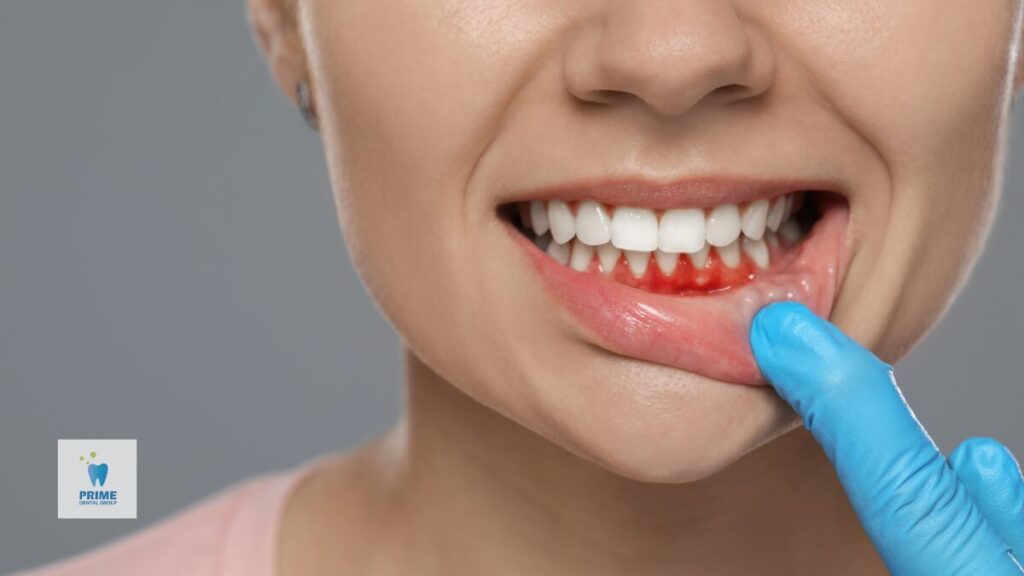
(233,531)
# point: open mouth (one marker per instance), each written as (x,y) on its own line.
(651,277)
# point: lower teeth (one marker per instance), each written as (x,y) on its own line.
(709,269)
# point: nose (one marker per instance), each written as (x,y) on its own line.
(669,54)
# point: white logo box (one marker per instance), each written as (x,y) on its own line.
(97,478)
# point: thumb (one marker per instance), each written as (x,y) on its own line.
(993,478)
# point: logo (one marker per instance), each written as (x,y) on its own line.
(96,478)
(97,472)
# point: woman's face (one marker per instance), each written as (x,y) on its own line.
(678,131)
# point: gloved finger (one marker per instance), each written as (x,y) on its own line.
(993,478)
(908,499)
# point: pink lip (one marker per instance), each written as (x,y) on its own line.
(706,334)
(685,193)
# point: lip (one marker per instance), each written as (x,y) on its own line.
(682,193)
(703,334)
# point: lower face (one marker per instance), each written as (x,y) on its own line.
(590,269)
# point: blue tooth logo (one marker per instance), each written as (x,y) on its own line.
(98,474)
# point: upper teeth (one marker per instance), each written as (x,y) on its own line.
(634,229)
(679,230)
(637,231)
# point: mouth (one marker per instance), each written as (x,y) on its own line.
(673,274)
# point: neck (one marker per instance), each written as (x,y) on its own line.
(525,505)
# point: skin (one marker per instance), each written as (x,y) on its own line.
(526,448)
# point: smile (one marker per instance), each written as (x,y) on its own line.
(673,274)
(675,251)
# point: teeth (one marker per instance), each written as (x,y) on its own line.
(574,239)
(681,230)
(667,261)
(593,225)
(637,260)
(561,220)
(635,229)
(542,242)
(538,218)
(775,213)
(723,225)
(754,219)
(757,250)
(582,254)
(700,257)
(790,230)
(608,257)
(559,251)
(787,210)
(730,254)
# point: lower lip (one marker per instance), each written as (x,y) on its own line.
(705,334)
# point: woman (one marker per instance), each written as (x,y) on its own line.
(572,212)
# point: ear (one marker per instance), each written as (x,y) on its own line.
(274,26)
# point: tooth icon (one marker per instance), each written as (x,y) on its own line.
(98,473)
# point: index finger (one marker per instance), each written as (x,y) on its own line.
(909,500)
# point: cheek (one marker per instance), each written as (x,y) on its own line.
(926,89)
(410,95)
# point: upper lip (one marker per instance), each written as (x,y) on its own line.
(699,192)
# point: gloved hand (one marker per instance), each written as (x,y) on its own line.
(926,515)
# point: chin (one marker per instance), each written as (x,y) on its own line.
(653,423)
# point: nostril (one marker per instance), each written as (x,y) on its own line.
(733,88)
(605,97)
(731,92)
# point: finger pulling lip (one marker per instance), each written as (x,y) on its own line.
(704,334)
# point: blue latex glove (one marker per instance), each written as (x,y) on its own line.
(926,515)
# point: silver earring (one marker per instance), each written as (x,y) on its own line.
(306,105)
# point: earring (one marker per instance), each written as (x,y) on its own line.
(305,101)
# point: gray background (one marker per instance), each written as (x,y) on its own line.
(171,270)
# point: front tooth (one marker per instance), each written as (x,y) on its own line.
(667,261)
(754,219)
(790,230)
(637,260)
(681,230)
(561,220)
(559,251)
(775,213)
(723,225)
(593,225)
(730,254)
(700,257)
(635,229)
(582,254)
(757,250)
(538,217)
(608,257)
(771,239)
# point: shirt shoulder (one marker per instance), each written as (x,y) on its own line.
(230,532)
